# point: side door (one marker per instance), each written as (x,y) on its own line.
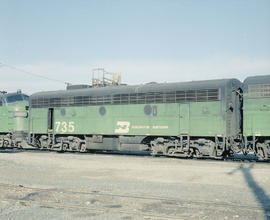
(184,119)
(50,120)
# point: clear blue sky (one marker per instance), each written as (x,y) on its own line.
(145,40)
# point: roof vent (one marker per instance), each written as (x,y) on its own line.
(80,86)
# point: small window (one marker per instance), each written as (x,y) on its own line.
(158,97)
(117,99)
(65,101)
(150,97)
(133,98)
(93,100)
(85,100)
(170,97)
(78,100)
(141,98)
(124,98)
(55,102)
(107,99)
(191,95)
(259,91)
(100,100)
(201,95)
(213,94)
(46,101)
(180,96)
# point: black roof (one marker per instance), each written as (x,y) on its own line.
(143,88)
(257,79)
(264,79)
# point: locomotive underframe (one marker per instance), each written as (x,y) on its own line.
(13,139)
(181,146)
(197,147)
(259,145)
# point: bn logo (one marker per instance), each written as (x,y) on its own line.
(122,127)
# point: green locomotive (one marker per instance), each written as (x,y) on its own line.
(13,119)
(199,119)
(256,115)
(213,118)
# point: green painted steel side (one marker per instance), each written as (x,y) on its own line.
(184,119)
(38,120)
(207,119)
(196,119)
(11,118)
(256,116)
(3,119)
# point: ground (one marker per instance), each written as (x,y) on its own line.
(50,185)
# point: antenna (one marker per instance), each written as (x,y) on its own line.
(32,74)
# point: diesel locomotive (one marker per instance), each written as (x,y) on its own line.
(13,119)
(211,118)
(256,115)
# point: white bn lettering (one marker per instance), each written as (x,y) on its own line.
(122,127)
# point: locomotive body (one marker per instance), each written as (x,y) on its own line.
(256,115)
(184,116)
(13,119)
(211,118)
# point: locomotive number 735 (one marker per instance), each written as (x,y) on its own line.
(64,126)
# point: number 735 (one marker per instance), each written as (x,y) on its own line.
(64,126)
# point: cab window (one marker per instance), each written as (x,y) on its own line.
(25,97)
(14,98)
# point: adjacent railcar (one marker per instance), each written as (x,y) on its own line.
(256,115)
(13,119)
(182,119)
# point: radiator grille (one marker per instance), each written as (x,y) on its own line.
(259,91)
(203,95)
